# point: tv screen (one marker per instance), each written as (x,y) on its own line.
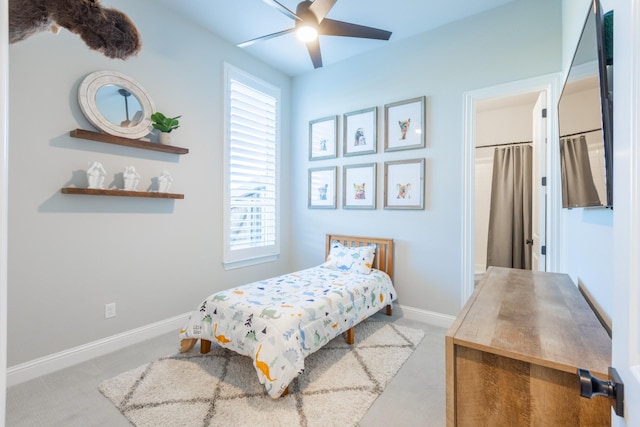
(585,121)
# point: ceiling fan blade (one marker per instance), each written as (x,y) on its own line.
(330,27)
(267,37)
(320,8)
(283,9)
(314,52)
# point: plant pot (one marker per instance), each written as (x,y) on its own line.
(164,138)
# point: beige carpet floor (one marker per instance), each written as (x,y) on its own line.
(221,388)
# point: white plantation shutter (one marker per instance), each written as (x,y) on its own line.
(251,173)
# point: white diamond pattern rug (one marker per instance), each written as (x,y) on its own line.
(339,384)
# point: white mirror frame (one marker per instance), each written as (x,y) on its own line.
(87,100)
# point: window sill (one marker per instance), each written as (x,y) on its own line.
(231,265)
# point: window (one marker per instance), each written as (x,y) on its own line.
(252,122)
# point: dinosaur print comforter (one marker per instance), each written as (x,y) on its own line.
(280,321)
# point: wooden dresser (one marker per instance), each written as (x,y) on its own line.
(513,352)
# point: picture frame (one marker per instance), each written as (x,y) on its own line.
(360,132)
(322,187)
(405,124)
(404,184)
(323,138)
(359,186)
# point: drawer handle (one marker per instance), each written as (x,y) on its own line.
(613,388)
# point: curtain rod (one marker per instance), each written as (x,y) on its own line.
(580,133)
(530,142)
(503,144)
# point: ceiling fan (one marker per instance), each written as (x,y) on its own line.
(310,22)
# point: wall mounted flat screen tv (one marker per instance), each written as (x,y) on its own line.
(585,120)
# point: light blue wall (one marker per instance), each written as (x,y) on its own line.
(588,233)
(69,255)
(518,41)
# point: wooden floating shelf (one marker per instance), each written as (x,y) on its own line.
(128,142)
(120,193)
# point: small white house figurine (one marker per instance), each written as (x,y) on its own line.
(96,175)
(164,181)
(131,178)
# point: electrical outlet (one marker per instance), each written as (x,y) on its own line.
(110,310)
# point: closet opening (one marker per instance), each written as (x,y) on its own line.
(514,114)
(509,141)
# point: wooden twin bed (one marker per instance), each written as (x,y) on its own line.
(280,321)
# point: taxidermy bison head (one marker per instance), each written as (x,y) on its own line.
(107,31)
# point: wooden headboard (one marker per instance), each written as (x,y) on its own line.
(384,249)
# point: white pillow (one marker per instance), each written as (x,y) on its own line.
(352,259)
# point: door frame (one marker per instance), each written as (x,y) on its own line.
(550,84)
(4,191)
(626,208)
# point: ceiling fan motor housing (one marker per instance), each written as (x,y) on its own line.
(307,17)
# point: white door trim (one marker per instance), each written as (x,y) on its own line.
(549,84)
(626,208)
(4,155)
(539,193)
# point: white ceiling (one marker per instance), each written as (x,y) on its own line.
(497,103)
(240,20)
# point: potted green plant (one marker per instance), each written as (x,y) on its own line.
(165,125)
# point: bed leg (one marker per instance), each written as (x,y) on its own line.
(285,392)
(205,346)
(388,312)
(187,344)
(351,336)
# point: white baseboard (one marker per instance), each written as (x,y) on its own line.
(54,362)
(426,316)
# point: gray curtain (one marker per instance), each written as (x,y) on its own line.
(509,243)
(578,188)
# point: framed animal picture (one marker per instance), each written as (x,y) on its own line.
(359,186)
(404,124)
(323,138)
(360,132)
(404,184)
(322,187)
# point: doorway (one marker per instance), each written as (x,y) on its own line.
(505,125)
(485,126)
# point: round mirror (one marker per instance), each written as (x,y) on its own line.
(116,104)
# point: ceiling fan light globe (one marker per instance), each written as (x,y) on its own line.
(307,33)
